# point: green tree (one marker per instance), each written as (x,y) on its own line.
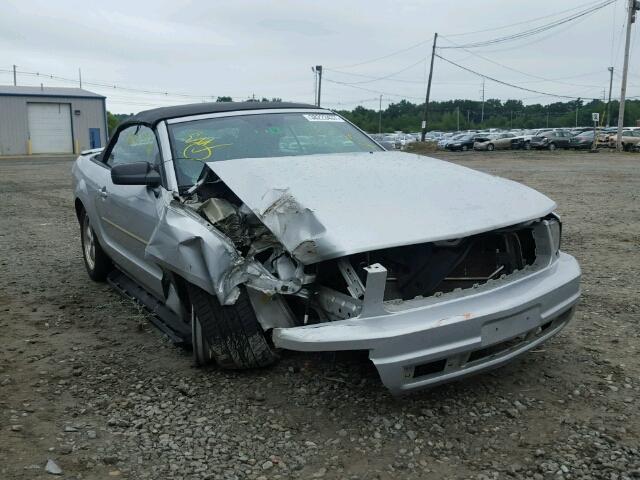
(115,119)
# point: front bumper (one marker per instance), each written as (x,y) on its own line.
(420,343)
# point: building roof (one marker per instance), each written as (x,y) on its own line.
(152,117)
(10,90)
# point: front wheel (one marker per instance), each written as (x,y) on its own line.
(527,146)
(464,148)
(230,335)
(552,146)
(490,147)
(96,262)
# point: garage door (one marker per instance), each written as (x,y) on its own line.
(50,127)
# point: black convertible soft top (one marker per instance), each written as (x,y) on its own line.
(152,117)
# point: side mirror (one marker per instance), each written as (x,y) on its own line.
(139,173)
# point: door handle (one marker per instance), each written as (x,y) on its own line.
(103,192)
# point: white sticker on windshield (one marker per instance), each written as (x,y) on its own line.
(322,117)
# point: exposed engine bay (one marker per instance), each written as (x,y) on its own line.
(299,294)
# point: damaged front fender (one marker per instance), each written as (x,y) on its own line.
(185,243)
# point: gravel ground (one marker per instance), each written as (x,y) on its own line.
(86,382)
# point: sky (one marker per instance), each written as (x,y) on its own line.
(197,50)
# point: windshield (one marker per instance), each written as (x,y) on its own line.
(262,135)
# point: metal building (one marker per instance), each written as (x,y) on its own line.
(50,120)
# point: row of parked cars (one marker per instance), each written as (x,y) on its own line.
(543,138)
(395,141)
(494,139)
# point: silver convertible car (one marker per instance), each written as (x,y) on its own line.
(253,228)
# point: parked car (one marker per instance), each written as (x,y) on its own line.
(380,138)
(630,140)
(551,140)
(582,141)
(499,141)
(391,140)
(579,130)
(448,272)
(524,138)
(463,143)
(405,139)
(444,141)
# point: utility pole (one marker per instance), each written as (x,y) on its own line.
(315,86)
(80,77)
(511,119)
(380,116)
(318,70)
(547,116)
(609,102)
(482,114)
(458,116)
(425,114)
(577,108)
(631,17)
(15,81)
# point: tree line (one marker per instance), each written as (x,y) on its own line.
(469,114)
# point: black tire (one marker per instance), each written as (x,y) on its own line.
(97,263)
(552,146)
(464,148)
(490,147)
(230,335)
(527,146)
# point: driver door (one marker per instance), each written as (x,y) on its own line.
(129,213)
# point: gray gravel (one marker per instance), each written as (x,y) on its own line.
(87,382)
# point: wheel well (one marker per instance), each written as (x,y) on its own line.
(180,284)
(79,208)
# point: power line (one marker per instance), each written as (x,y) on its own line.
(521,23)
(520,71)
(597,4)
(370,90)
(375,79)
(402,50)
(535,30)
(112,86)
(506,83)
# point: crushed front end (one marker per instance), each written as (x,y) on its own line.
(434,312)
(427,313)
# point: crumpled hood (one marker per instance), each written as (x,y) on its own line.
(328,206)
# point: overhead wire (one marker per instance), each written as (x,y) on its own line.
(536,30)
(112,86)
(532,20)
(423,42)
(520,71)
(506,83)
(375,79)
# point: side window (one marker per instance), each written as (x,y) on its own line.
(135,144)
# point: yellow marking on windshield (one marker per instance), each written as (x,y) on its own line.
(199,147)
